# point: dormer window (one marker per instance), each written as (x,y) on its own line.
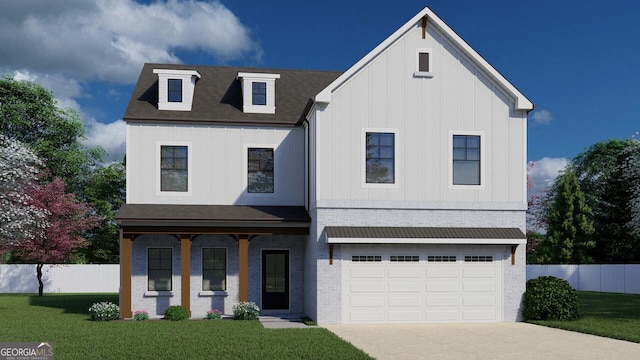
(176,88)
(258,92)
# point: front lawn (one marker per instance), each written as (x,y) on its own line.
(63,320)
(606,314)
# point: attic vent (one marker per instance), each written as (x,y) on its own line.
(176,88)
(258,92)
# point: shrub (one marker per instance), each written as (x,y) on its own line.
(104,311)
(550,298)
(176,312)
(214,314)
(140,315)
(247,310)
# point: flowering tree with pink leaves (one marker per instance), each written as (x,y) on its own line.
(67,219)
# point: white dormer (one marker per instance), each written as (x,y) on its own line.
(175,88)
(258,92)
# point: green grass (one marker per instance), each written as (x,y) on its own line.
(610,315)
(63,320)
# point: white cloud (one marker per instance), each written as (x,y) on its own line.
(68,46)
(110,39)
(544,171)
(111,137)
(542,116)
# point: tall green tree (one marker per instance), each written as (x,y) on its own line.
(569,224)
(105,190)
(600,170)
(29,113)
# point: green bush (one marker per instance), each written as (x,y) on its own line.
(550,298)
(247,310)
(176,312)
(104,311)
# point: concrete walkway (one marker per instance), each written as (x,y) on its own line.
(512,341)
(282,322)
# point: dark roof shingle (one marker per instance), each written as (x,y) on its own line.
(218,96)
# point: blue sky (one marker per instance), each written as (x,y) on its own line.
(576,60)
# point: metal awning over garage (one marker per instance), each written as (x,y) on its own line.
(423,235)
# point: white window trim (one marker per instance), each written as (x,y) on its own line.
(245,175)
(226,272)
(188,78)
(396,157)
(482,160)
(247,80)
(419,73)
(190,155)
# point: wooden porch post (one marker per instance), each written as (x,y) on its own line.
(126,242)
(243,271)
(185,271)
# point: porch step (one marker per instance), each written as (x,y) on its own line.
(281,321)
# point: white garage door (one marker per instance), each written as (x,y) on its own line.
(411,287)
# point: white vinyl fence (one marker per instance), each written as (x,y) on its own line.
(602,278)
(106,278)
(21,278)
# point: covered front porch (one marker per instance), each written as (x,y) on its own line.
(260,243)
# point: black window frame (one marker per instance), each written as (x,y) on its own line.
(159,268)
(217,269)
(257,166)
(174,90)
(259,93)
(172,163)
(378,151)
(465,152)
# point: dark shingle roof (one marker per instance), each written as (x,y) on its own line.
(218,96)
(423,232)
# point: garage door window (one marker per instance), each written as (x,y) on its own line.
(404,258)
(366,258)
(441,258)
(478,258)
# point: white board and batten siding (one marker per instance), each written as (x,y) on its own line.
(424,112)
(380,290)
(218,164)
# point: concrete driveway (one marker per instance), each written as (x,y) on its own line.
(512,341)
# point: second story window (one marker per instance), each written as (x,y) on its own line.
(380,162)
(174,87)
(259,93)
(260,177)
(466,160)
(174,168)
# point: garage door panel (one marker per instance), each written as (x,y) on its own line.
(366,316)
(479,287)
(362,271)
(406,316)
(368,287)
(486,271)
(410,287)
(441,316)
(404,272)
(442,301)
(442,286)
(439,271)
(366,301)
(477,315)
(396,301)
(479,300)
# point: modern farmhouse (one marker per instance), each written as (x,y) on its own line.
(392,192)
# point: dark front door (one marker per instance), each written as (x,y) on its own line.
(275,279)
